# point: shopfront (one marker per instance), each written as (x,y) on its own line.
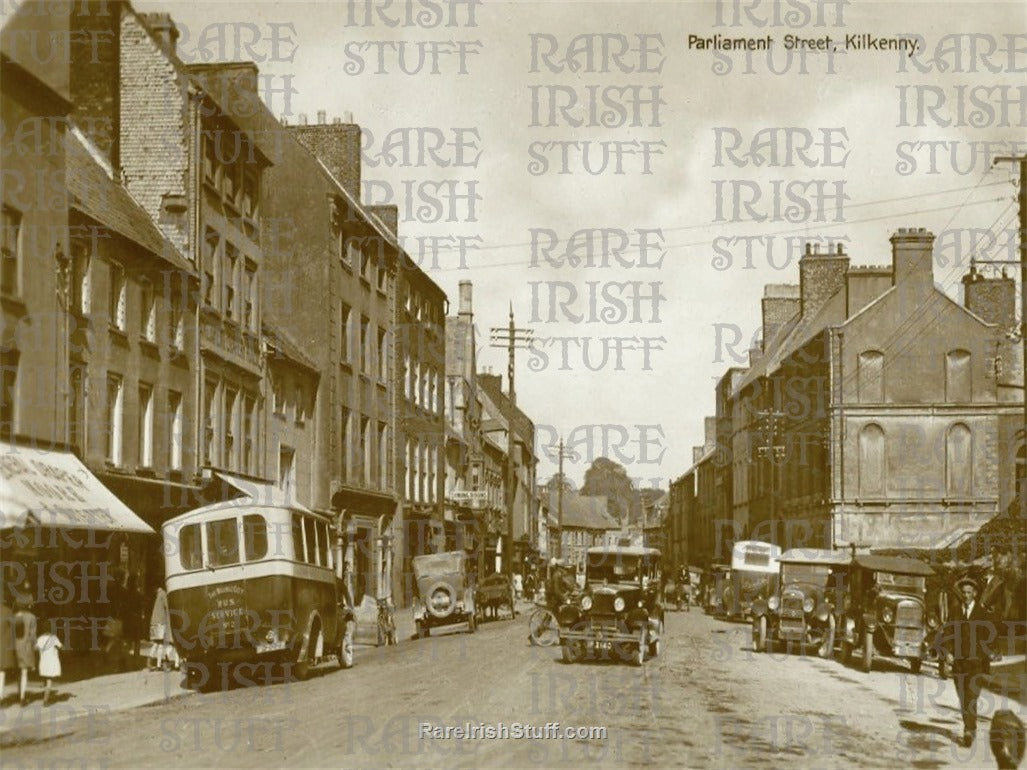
(68,543)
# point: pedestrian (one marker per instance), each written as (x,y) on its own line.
(132,614)
(24,640)
(518,585)
(114,626)
(970,630)
(162,649)
(1007,739)
(8,656)
(47,644)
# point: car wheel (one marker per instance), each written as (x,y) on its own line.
(868,651)
(915,665)
(760,641)
(572,652)
(346,646)
(827,646)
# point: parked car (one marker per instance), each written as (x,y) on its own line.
(754,573)
(445,594)
(620,609)
(717,579)
(885,610)
(803,609)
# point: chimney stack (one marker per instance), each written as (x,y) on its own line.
(781,302)
(163,29)
(820,276)
(337,145)
(466,288)
(993,299)
(913,259)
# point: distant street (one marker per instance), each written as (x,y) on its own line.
(705,702)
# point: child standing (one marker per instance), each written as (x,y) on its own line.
(49,661)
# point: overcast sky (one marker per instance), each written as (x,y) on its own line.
(865,99)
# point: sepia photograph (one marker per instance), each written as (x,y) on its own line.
(513,384)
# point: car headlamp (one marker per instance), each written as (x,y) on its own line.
(773,603)
(887,616)
(586,602)
(618,604)
(808,604)
(932,621)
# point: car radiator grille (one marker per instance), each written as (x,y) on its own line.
(909,614)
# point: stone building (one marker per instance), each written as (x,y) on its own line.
(879,412)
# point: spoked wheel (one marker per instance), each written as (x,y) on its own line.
(543,628)
(572,652)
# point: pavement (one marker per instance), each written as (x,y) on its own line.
(99,695)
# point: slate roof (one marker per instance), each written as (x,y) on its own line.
(522,424)
(99,197)
(582,511)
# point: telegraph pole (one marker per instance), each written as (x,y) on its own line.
(1021,161)
(511,338)
(559,496)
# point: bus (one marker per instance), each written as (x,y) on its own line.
(250,582)
(754,571)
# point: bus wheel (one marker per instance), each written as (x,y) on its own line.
(346,646)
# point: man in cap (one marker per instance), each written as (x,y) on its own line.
(970,631)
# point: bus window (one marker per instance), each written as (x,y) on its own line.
(308,532)
(190,551)
(222,542)
(322,544)
(254,529)
(297,536)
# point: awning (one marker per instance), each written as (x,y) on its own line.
(54,489)
(262,492)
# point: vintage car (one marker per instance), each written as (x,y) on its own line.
(885,610)
(620,609)
(803,609)
(494,592)
(445,594)
(716,580)
(754,573)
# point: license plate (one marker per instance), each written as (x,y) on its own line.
(604,645)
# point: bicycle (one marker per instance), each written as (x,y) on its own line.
(543,628)
(386,624)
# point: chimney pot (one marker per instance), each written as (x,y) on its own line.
(466,294)
(303,118)
(337,121)
(809,247)
(840,250)
(284,120)
(347,117)
(321,116)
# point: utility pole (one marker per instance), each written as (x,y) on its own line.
(511,338)
(773,452)
(559,496)
(1021,161)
